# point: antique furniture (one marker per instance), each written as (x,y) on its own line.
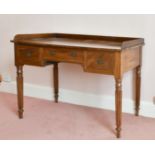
(97,54)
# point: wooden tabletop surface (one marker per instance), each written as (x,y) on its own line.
(75,40)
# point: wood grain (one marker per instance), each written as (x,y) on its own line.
(97,54)
(63,55)
(130,58)
(100,62)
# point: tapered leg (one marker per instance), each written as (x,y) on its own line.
(118,105)
(138,83)
(56,82)
(20,90)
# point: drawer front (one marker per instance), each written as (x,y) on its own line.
(28,55)
(58,54)
(100,62)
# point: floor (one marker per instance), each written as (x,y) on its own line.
(48,120)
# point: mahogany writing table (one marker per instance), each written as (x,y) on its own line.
(96,54)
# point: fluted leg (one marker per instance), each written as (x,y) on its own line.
(118,105)
(20,90)
(56,82)
(138,83)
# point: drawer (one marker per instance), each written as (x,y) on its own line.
(100,62)
(28,55)
(59,54)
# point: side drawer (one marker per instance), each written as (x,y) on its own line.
(99,62)
(63,55)
(28,55)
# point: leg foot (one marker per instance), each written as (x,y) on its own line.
(20,113)
(118,132)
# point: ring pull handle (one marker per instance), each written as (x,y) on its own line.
(100,61)
(28,53)
(73,54)
(52,53)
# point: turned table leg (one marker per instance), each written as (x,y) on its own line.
(118,105)
(138,83)
(20,90)
(56,82)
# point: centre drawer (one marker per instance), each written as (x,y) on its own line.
(99,62)
(63,55)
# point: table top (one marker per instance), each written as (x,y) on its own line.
(78,40)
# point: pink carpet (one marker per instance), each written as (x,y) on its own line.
(46,120)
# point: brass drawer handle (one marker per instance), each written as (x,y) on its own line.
(73,54)
(100,61)
(52,53)
(29,53)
